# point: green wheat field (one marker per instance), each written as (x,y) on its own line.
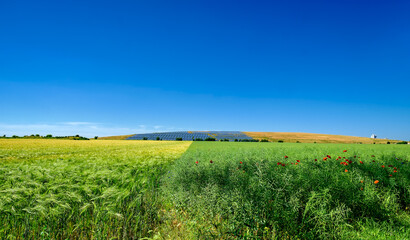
(116,189)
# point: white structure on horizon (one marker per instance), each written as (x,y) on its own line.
(373,136)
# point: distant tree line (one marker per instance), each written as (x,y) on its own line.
(48,136)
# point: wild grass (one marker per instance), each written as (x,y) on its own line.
(62,189)
(251,191)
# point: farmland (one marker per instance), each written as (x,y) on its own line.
(297,191)
(113,189)
(57,189)
(315,137)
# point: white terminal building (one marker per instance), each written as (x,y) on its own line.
(373,136)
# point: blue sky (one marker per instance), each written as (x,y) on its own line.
(122,67)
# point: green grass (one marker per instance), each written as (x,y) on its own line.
(58,189)
(311,200)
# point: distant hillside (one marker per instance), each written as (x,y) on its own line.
(119,137)
(271,136)
(314,137)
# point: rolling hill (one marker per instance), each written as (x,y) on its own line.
(281,136)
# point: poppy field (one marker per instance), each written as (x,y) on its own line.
(113,189)
(289,191)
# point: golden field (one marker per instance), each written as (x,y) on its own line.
(314,137)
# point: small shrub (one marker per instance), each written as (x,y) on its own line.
(178,139)
(280,141)
(144,138)
(402,142)
(264,140)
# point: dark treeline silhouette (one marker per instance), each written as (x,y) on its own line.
(48,136)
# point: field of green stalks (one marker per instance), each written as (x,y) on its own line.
(65,189)
(113,189)
(289,191)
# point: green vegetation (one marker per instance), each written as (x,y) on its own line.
(251,191)
(60,189)
(48,136)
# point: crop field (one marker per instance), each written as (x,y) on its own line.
(113,189)
(314,137)
(289,191)
(58,189)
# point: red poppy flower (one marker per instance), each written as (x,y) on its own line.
(361,162)
(376,182)
(390,166)
(296,163)
(286,156)
(361,189)
(329,156)
(395,171)
(344,150)
(297,160)
(361,181)
(240,162)
(279,163)
(196,162)
(382,166)
(325,158)
(372,155)
(346,170)
(354,156)
(315,160)
(390,175)
(283,164)
(395,168)
(211,161)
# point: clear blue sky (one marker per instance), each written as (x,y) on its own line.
(123,67)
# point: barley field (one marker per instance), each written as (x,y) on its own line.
(65,189)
